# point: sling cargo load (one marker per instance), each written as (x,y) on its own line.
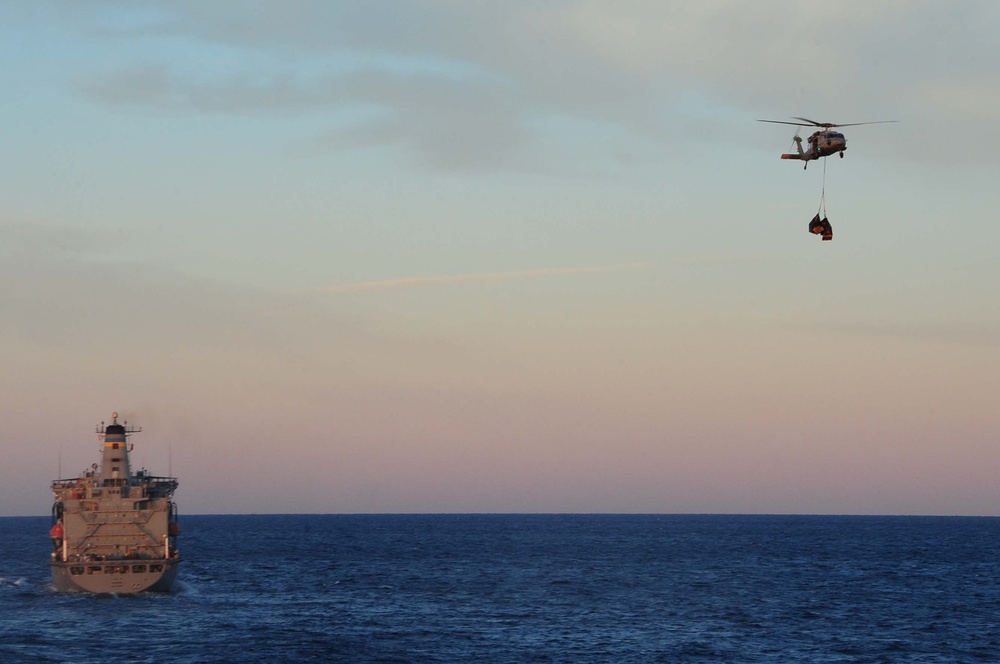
(114,531)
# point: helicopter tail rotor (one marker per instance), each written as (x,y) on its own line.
(796,139)
(795,151)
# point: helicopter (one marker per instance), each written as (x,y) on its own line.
(823,143)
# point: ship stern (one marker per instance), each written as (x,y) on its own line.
(115,576)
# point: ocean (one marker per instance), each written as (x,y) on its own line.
(528,588)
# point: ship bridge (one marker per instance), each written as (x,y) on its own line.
(115,469)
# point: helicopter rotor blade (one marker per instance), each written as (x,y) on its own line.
(806,122)
(855,124)
(797,124)
(813,122)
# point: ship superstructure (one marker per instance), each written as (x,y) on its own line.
(113,530)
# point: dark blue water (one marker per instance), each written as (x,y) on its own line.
(529,588)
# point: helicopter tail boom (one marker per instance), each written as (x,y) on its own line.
(798,144)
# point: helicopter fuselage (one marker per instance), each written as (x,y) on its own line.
(825,143)
(821,144)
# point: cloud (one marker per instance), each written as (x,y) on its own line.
(53,242)
(61,289)
(451,122)
(489,277)
(463,84)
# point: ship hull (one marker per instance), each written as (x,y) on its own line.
(115,576)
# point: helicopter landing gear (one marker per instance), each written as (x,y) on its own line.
(841,154)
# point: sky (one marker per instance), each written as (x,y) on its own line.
(462,256)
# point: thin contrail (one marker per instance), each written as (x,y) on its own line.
(406,282)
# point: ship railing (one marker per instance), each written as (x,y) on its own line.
(152,479)
(149,482)
(159,487)
(147,479)
(111,558)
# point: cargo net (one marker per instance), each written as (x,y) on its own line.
(820,225)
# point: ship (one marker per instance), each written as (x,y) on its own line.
(114,531)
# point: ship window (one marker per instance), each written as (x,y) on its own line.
(76,571)
(116,460)
(156,568)
(139,569)
(94,569)
(114,446)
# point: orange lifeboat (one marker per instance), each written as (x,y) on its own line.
(57,531)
